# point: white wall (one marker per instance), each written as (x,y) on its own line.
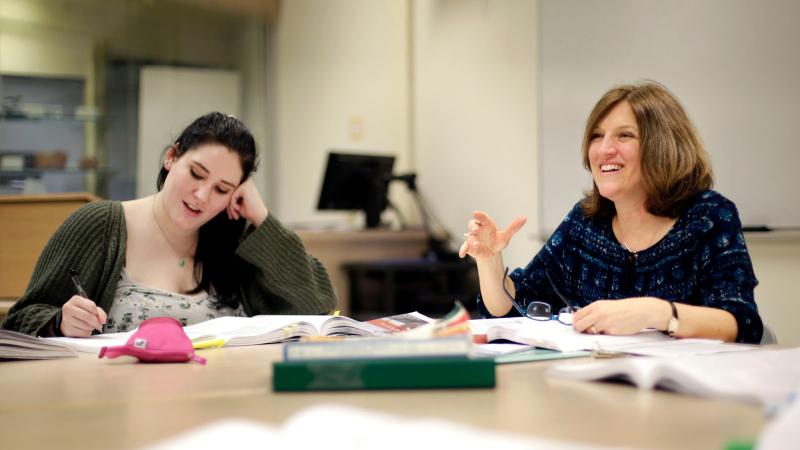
(252,48)
(776,262)
(472,79)
(475,113)
(474,140)
(170,98)
(341,82)
(734,64)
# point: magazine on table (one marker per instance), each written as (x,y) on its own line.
(411,335)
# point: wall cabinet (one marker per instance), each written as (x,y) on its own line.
(47,137)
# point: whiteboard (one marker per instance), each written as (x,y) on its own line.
(734,64)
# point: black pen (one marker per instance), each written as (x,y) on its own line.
(73,274)
(77,282)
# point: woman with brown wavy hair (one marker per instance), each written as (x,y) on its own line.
(649,246)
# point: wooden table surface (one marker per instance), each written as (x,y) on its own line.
(89,403)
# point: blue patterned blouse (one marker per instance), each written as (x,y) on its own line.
(701,261)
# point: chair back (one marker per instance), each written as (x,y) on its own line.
(769,336)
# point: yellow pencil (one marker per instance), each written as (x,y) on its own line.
(211,343)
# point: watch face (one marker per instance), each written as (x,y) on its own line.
(673,326)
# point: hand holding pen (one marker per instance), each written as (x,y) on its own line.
(80,316)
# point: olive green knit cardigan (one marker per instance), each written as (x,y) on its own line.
(93,241)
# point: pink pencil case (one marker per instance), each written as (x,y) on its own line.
(158,339)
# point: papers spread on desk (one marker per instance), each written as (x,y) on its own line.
(756,376)
(554,335)
(339,427)
(256,330)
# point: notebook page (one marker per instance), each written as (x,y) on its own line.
(94,343)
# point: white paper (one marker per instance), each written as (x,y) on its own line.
(555,335)
(558,336)
(683,347)
(347,428)
(94,343)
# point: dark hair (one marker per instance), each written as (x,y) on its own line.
(216,267)
(675,165)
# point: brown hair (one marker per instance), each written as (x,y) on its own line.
(675,165)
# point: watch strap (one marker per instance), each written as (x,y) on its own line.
(672,327)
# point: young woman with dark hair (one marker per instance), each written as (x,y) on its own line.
(204,246)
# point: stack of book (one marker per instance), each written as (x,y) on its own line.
(15,345)
(435,355)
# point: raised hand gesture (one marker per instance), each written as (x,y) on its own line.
(485,240)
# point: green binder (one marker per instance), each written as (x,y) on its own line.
(399,373)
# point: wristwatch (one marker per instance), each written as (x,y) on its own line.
(672,327)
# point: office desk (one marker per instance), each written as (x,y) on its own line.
(27,223)
(334,248)
(385,288)
(90,404)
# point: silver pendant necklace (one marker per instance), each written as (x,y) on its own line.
(624,244)
(181,255)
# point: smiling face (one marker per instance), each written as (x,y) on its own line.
(615,158)
(200,184)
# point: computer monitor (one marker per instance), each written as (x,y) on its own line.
(357,182)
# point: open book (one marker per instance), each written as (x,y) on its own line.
(234,331)
(273,329)
(756,376)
